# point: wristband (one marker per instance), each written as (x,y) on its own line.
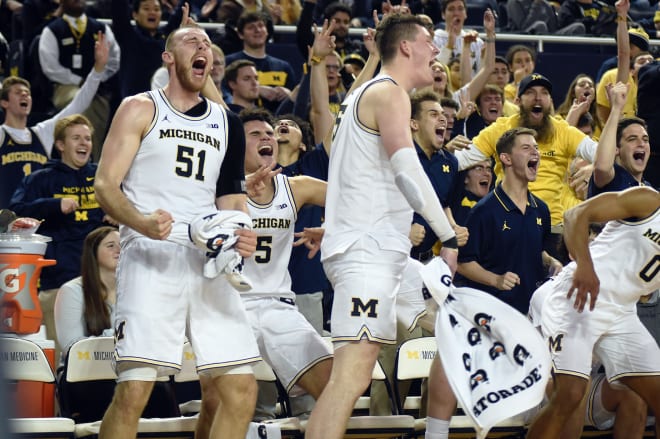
(450,243)
(314,60)
(489,40)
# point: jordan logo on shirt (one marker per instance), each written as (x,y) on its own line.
(505,226)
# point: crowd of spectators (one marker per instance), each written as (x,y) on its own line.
(78,64)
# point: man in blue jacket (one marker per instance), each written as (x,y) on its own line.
(62,195)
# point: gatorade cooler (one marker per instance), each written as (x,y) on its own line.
(33,399)
(21,260)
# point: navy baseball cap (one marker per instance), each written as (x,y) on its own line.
(531,81)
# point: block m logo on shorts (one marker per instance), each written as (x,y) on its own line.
(554,343)
(360,307)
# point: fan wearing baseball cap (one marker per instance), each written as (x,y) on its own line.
(558,143)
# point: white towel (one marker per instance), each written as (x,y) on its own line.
(496,362)
(214,233)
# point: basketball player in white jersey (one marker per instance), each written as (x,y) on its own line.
(612,273)
(171,155)
(287,341)
(375,181)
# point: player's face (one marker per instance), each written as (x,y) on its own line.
(439,78)
(288,134)
(254,34)
(634,149)
(19,101)
(522,60)
(148,15)
(423,54)
(193,58)
(455,14)
(108,252)
(260,145)
(490,107)
(525,158)
(246,85)
(76,147)
(535,106)
(342,22)
(584,87)
(431,125)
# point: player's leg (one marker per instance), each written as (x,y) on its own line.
(209,408)
(316,378)
(630,409)
(441,404)
(566,397)
(648,387)
(575,423)
(121,418)
(351,374)
(366,280)
(238,396)
(631,355)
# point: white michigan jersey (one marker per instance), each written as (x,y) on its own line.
(362,197)
(626,256)
(274,223)
(177,165)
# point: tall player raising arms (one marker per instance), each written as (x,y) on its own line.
(172,149)
(375,182)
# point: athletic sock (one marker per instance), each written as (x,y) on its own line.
(436,428)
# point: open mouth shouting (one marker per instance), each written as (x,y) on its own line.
(639,157)
(533,165)
(199,66)
(265,150)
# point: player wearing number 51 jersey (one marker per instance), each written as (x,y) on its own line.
(169,156)
(612,273)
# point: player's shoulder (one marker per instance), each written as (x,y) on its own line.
(383,91)
(141,101)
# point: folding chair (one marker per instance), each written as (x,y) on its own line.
(23,360)
(88,381)
(413,361)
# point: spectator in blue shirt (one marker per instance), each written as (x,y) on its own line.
(428,126)
(509,228)
(624,149)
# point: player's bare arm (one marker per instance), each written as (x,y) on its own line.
(131,121)
(247,238)
(386,107)
(638,202)
(308,190)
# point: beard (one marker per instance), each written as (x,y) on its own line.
(184,75)
(544,128)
